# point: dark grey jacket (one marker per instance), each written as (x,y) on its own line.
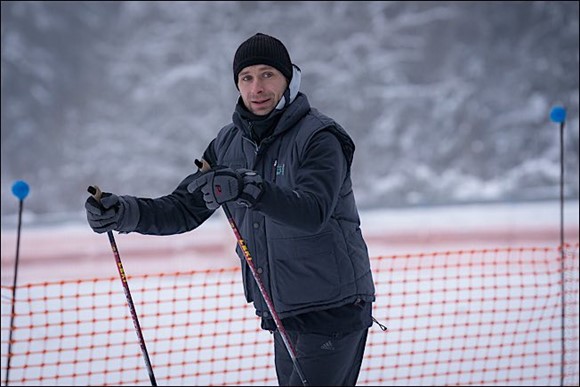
(304,233)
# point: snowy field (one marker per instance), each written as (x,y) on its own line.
(73,251)
(444,346)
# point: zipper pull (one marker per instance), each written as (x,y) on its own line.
(275,171)
(383,328)
(252,137)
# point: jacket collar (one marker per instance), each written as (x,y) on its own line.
(291,114)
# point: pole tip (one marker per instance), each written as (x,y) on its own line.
(20,189)
(558,114)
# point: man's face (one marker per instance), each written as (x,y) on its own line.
(261,87)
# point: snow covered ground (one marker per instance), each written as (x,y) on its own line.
(412,352)
(73,251)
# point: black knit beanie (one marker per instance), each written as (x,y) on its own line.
(262,49)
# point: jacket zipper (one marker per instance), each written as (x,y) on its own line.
(256,146)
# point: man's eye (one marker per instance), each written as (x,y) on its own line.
(268,75)
(246,78)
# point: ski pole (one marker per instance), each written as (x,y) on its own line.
(96,192)
(20,189)
(204,167)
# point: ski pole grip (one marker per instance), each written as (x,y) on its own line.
(96,192)
(202,165)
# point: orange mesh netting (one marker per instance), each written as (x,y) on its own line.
(494,316)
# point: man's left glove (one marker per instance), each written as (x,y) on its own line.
(112,212)
(221,184)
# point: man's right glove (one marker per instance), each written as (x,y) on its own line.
(119,213)
(222,184)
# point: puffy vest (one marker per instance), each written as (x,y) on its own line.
(302,271)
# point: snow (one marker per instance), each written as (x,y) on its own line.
(387,231)
(447,332)
(447,103)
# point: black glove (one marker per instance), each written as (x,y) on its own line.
(120,213)
(221,184)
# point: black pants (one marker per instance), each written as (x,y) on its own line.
(325,360)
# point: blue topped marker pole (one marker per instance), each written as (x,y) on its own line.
(20,189)
(558,115)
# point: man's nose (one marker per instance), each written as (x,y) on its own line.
(257,86)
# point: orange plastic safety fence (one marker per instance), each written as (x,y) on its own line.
(480,317)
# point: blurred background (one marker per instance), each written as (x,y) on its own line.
(457,161)
(447,102)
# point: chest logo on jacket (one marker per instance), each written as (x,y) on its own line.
(280,170)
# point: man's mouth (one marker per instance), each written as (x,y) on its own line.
(260,102)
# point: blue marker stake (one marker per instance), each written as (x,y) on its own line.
(558,115)
(20,189)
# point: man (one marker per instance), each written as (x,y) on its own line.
(283,170)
